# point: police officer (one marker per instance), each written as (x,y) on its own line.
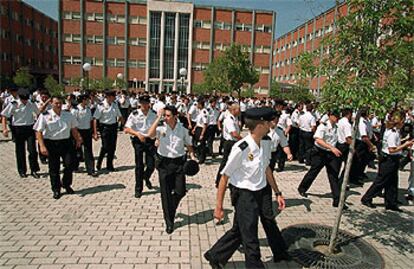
(278,139)
(231,134)
(54,128)
(137,125)
(212,129)
(83,115)
(23,113)
(344,136)
(13,97)
(124,105)
(173,139)
(307,126)
(387,177)
(199,131)
(325,154)
(108,114)
(294,131)
(249,174)
(284,124)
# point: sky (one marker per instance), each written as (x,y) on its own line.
(290,13)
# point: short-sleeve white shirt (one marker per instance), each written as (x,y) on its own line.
(54,126)
(172,141)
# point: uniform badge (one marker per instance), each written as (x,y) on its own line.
(250,156)
(163,134)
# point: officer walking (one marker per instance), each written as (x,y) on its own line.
(387,177)
(278,140)
(83,115)
(173,139)
(249,174)
(137,125)
(212,129)
(231,134)
(54,128)
(307,126)
(23,113)
(344,136)
(199,131)
(108,114)
(325,154)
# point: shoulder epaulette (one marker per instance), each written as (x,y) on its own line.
(208,109)
(135,112)
(45,112)
(14,102)
(243,145)
(266,137)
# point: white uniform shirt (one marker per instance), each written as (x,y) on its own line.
(295,118)
(134,102)
(181,108)
(328,133)
(391,139)
(230,125)
(55,127)
(344,130)
(324,118)
(158,106)
(374,121)
(23,115)
(193,111)
(202,118)
(277,136)
(107,114)
(284,120)
(247,163)
(172,141)
(124,101)
(213,115)
(363,129)
(306,121)
(243,107)
(84,117)
(137,121)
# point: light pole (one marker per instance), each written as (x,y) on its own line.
(145,86)
(119,76)
(135,82)
(183,74)
(87,67)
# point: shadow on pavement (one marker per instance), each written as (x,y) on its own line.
(268,264)
(156,190)
(101,188)
(387,228)
(295,168)
(297,202)
(200,218)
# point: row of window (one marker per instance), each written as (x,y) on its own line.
(111,62)
(28,61)
(199,66)
(111,40)
(99,17)
(319,33)
(223,47)
(293,60)
(28,42)
(263,70)
(29,22)
(228,26)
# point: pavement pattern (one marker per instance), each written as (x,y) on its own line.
(104,226)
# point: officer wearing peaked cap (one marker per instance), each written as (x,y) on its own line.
(247,170)
(23,113)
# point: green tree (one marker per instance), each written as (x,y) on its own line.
(295,93)
(249,92)
(201,89)
(54,88)
(101,84)
(230,71)
(369,65)
(23,78)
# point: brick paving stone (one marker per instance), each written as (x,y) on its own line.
(104,226)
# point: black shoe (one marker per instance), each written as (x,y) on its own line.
(357,183)
(112,169)
(138,194)
(337,204)
(368,204)
(69,190)
(282,257)
(148,184)
(279,170)
(43,161)
(93,174)
(98,166)
(409,197)
(303,194)
(23,175)
(35,175)
(169,229)
(214,264)
(394,208)
(56,195)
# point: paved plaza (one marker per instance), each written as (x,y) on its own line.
(104,226)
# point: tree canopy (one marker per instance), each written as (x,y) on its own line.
(23,78)
(54,88)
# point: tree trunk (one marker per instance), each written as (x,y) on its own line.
(335,228)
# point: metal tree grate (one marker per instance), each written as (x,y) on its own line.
(351,252)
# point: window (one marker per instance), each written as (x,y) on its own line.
(5,34)
(136,41)
(98,39)
(137,20)
(114,40)
(76,16)
(72,60)
(116,18)
(29,22)
(243,27)
(202,24)
(110,62)
(98,17)
(119,62)
(5,56)
(201,45)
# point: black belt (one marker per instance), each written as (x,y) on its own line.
(172,159)
(108,125)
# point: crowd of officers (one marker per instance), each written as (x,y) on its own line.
(166,130)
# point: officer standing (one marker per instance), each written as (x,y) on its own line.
(249,174)
(199,131)
(294,132)
(307,126)
(124,105)
(278,139)
(23,113)
(387,177)
(173,139)
(212,129)
(344,136)
(231,134)
(137,125)
(83,115)
(284,124)
(325,154)
(54,128)
(108,114)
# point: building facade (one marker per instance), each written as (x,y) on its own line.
(28,38)
(149,42)
(305,38)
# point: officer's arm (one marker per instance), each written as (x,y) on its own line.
(39,137)
(348,140)
(287,151)
(95,132)
(152,132)
(236,135)
(272,182)
(77,136)
(191,152)
(4,124)
(366,139)
(219,212)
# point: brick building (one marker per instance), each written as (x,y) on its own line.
(306,37)
(148,42)
(28,38)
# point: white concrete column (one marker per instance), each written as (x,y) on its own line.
(147,52)
(162,50)
(177,34)
(190,52)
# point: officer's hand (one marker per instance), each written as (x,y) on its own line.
(95,137)
(193,131)
(281,202)
(160,112)
(290,157)
(336,152)
(79,143)
(6,133)
(141,137)
(44,151)
(218,214)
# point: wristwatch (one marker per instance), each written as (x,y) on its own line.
(279,193)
